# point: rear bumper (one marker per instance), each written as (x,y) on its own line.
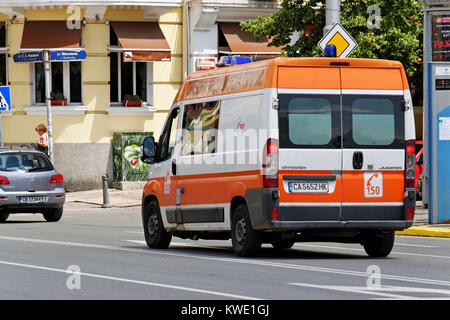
(296,218)
(9,201)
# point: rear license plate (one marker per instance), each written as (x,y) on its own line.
(32,200)
(308,187)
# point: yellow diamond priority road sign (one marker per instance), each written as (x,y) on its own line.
(339,37)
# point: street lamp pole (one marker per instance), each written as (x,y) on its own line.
(333,14)
(48,103)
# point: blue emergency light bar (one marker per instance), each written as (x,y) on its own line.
(233,60)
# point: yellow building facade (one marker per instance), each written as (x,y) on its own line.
(95,87)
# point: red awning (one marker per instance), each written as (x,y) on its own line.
(142,41)
(243,43)
(50,35)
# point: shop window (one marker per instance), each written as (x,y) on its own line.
(65,80)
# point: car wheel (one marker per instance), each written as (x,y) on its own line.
(246,241)
(3,217)
(379,245)
(53,215)
(155,235)
(282,243)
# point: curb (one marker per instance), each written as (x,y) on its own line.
(425,232)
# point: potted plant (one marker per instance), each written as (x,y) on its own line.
(131,101)
(57,99)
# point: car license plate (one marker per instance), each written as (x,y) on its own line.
(32,200)
(308,187)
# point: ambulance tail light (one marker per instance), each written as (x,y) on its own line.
(410,164)
(270,164)
(410,175)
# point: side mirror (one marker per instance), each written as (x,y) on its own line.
(148,150)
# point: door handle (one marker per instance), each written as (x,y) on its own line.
(174,168)
(358,160)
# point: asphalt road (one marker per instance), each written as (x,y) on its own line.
(101,254)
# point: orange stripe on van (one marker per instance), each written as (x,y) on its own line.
(217,187)
(286,197)
(308,78)
(372,78)
(353,187)
(299,73)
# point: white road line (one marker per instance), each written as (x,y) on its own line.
(146,283)
(254,262)
(362,250)
(356,290)
(414,245)
(381,291)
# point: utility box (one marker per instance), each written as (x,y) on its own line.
(127,166)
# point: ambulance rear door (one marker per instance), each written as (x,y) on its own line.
(310,151)
(373,144)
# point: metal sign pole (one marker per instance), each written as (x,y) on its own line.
(48,103)
(333,14)
(1,131)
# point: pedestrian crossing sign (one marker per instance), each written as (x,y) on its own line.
(5,98)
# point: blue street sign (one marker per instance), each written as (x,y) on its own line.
(67,55)
(24,57)
(5,98)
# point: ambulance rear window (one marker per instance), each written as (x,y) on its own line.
(309,121)
(373,121)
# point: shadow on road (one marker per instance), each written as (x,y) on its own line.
(265,253)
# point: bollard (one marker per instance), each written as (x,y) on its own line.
(106,203)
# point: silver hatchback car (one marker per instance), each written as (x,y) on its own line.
(30,183)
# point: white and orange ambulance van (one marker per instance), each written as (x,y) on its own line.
(285,150)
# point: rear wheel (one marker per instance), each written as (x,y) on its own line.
(379,245)
(3,217)
(282,243)
(155,234)
(246,241)
(53,215)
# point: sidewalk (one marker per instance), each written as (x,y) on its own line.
(421,227)
(93,199)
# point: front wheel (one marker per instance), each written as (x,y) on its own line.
(246,241)
(379,245)
(155,234)
(53,215)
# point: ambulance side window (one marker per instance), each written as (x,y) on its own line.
(200,127)
(168,137)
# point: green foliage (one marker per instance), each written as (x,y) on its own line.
(399,38)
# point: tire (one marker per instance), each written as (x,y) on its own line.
(3,217)
(282,243)
(155,234)
(379,245)
(246,241)
(53,215)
